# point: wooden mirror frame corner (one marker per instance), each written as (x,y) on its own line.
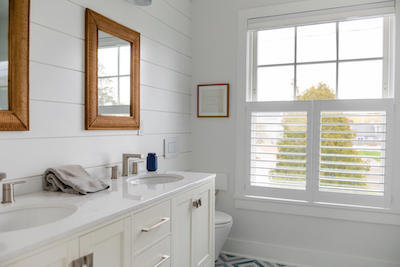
(93,121)
(16,118)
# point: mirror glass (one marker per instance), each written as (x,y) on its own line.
(114,75)
(4,54)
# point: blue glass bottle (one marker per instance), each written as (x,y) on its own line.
(152,163)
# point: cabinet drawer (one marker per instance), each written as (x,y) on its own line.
(157,255)
(151,225)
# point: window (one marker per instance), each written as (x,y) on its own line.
(349,58)
(114,80)
(319,111)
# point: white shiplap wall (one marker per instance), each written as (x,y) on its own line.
(57,134)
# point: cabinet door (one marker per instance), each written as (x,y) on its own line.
(60,255)
(181,230)
(193,228)
(203,229)
(110,245)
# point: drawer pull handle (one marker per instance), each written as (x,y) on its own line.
(163,259)
(148,229)
(197,203)
(85,261)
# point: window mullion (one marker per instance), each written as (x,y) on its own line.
(119,77)
(313,172)
(295,65)
(386,53)
(337,59)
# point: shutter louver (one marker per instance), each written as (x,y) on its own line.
(278,149)
(352,152)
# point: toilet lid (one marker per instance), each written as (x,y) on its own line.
(222,217)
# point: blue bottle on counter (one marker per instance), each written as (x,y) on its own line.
(152,164)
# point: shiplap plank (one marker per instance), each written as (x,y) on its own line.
(56,84)
(156,99)
(55,48)
(170,16)
(154,122)
(159,77)
(94,151)
(135,18)
(157,53)
(184,6)
(53,119)
(61,15)
(57,133)
(61,85)
(180,163)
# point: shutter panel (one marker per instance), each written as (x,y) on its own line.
(278,149)
(352,152)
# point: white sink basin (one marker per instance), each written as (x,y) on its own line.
(155,178)
(17,218)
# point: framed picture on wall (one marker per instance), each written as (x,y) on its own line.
(213,100)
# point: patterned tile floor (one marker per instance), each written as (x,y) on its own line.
(226,260)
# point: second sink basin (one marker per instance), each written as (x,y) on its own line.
(17,218)
(155,178)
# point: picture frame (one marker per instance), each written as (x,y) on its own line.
(213,100)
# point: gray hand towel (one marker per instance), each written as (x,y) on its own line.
(71,179)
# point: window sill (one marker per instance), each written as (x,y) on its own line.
(319,210)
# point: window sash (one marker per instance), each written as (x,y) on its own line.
(387,63)
(314,109)
(321,15)
(118,75)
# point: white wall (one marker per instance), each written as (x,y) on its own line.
(303,240)
(57,134)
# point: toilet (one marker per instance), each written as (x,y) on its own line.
(223,225)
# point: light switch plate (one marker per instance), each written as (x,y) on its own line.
(171,147)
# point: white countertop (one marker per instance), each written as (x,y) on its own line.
(120,199)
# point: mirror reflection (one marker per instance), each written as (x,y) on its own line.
(114,80)
(4,54)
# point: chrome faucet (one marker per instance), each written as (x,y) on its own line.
(125,159)
(8,190)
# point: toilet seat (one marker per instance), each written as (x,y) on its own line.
(221,218)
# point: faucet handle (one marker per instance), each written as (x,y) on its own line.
(114,171)
(8,191)
(3,175)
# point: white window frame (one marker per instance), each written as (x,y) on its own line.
(314,109)
(277,106)
(387,55)
(310,204)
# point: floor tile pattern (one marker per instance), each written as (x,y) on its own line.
(226,260)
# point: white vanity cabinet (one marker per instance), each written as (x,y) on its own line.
(103,247)
(151,235)
(57,255)
(193,228)
(177,231)
(107,246)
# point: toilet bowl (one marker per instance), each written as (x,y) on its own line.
(223,225)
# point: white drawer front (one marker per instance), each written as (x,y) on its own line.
(156,256)
(150,225)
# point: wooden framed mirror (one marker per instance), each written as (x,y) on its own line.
(112,75)
(14,65)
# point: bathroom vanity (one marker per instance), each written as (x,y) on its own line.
(140,224)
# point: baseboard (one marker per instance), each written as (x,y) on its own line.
(298,256)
